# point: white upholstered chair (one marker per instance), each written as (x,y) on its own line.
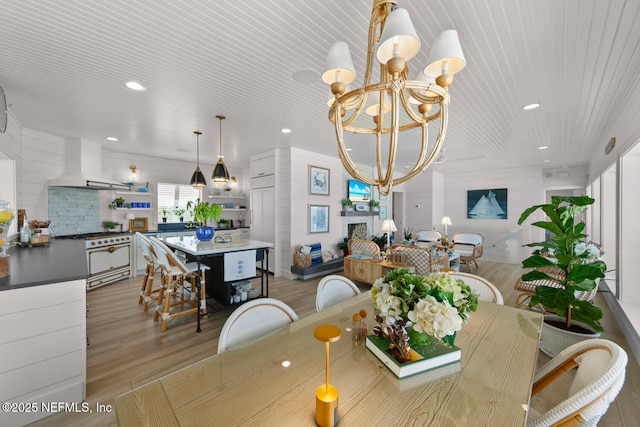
(334,289)
(254,320)
(486,290)
(428,236)
(470,246)
(599,377)
(174,292)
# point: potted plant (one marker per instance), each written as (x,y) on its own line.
(165,212)
(109,225)
(118,202)
(347,204)
(574,269)
(344,245)
(380,241)
(374,205)
(202,212)
(408,236)
(179,213)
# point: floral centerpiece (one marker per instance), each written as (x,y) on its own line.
(415,309)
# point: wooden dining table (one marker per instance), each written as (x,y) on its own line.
(272,382)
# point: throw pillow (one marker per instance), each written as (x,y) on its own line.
(328,255)
(316,253)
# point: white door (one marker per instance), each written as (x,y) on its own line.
(263,221)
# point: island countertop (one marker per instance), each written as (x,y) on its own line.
(193,246)
(60,261)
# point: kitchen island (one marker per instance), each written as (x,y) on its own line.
(229,263)
(43,323)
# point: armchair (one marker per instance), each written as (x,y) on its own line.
(421,259)
(428,237)
(363,247)
(470,246)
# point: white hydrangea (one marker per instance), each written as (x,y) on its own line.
(388,304)
(437,319)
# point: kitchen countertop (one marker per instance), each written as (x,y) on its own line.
(60,261)
(193,246)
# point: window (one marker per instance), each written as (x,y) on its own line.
(172,195)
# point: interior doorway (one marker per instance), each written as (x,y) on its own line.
(397,214)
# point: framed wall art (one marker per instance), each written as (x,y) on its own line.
(383,212)
(318,180)
(487,204)
(318,219)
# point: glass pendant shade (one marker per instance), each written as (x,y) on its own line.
(339,66)
(399,38)
(197,179)
(446,55)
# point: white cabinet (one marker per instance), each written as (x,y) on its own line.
(263,221)
(43,347)
(263,166)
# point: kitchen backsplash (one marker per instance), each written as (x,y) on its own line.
(74,210)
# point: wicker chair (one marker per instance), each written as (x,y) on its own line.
(470,246)
(598,379)
(334,289)
(363,247)
(486,290)
(254,320)
(421,259)
(148,294)
(528,289)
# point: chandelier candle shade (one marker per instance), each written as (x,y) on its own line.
(396,103)
(220,173)
(326,394)
(197,179)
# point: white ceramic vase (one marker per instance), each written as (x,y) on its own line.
(553,340)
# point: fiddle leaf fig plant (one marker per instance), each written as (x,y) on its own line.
(203,211)
(566,260)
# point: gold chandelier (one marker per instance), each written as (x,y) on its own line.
(391,100)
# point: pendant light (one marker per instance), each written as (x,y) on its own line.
(197,179)
(220,173)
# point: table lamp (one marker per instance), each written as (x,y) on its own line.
(326,394)
(445,221)
(388,225)
(130,217)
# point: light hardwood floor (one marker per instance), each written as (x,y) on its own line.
(128,350)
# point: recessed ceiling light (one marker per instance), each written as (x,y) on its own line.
(136,86)
(111,138)
(285,130)
(547,161)
(531,106)
(543,147)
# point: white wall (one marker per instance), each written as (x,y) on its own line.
(424,201)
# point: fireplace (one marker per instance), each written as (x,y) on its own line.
(358,231)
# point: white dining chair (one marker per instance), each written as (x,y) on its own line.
(599,376)
(254,320)
(174,274)
(334,289)
(486,290)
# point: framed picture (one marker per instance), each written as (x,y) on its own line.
(383,212)
(318,180)
(139,224)
(318,218)
(487,204)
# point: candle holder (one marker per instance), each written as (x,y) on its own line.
(326,394)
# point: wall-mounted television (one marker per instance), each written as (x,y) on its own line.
(359,191)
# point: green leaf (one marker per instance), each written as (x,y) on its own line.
(549,226)
(419,339)
(554,298)
(580,272)
(537,275)
(536,261)
(528,212)
(450,339)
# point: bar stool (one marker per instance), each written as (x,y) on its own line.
(174,274)
(148,295)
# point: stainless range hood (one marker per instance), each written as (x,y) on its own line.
(83,167)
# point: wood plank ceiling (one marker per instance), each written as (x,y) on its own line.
(64,63)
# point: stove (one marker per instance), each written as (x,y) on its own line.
(108,256)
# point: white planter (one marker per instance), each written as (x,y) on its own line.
(553,340)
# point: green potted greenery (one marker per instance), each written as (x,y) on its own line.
(344,245)
(179,213)
(380,241)
(118,202)
(374,205)
(165,212)
(347,204)
(408,236)
(570,265)
(202,212)
(109,225)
